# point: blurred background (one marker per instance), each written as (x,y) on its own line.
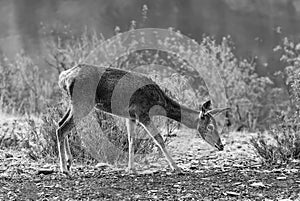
(255,26)
(254,45)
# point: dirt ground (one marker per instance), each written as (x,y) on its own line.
(233,174)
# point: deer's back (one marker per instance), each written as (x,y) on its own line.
(116,91)
(127,94)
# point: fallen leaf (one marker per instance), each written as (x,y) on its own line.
(49,186)
(149,171)
(102,165)
(292,170)
(231,193)
(205,178)
(258,184)
(277,170)
(237,183)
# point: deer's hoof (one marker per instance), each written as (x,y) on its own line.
(178,171)
(69,164)
(131,171)
(65,171)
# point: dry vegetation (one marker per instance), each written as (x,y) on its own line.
(31,104)
(256,104)
(263,122)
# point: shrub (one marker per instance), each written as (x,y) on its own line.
(245,90)
(23,89)
(285,135)
(50,117)
(281,146)
(291,57)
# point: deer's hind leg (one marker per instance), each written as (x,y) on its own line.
(66,141)
(63,119)
(69,157)
(65,125)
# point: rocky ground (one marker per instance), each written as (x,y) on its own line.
(233,174)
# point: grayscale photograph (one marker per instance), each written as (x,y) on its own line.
(150,100)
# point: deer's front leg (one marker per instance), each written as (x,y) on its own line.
(156,136)
(131,135)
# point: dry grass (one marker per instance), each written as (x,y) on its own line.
(25,91)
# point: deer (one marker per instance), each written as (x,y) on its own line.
(133,96)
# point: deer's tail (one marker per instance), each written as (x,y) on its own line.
(66,80)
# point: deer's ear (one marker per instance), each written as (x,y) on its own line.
(205,106)
(218,110)
(201,114)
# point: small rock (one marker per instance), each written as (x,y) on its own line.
(7,155)
(45,171)
(193,167)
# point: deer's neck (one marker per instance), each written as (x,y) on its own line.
(179,113)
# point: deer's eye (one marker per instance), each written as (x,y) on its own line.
(210,127)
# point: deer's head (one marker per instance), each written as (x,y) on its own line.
(207,125)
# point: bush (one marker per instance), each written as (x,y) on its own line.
(281,146)
(291,57)
(23,88)
(286,134)
(49,118)
(245,90)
